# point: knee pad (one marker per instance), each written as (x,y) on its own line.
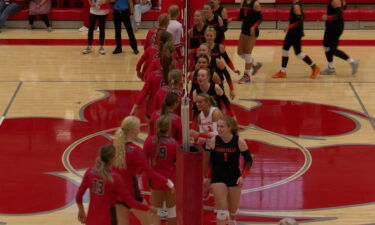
(160,212)
(301,55)
(171,212)
(248,58)
(222,214)
(285,53)
(326,49)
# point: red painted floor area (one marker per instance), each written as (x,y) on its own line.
(32,149)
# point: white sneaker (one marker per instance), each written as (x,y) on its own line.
(97,29)
(83,29)
(101,50)
(354,66)
(87,50)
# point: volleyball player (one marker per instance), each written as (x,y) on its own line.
(153,82)
(160,150)
(171,103)
(196,37)
(130,162)
(104,186)
(214,21)
(151,53)
(152,37)
(222,12)
(251,17)
(224,173)
(293,38)
(334,28)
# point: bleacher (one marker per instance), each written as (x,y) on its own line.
(359,15)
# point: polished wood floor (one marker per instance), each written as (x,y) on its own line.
(313,140)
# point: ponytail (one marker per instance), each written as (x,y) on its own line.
(166,62)
(163,125)
(170,99)
(106,153)
(174,78)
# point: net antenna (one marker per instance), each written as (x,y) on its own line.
(185,99)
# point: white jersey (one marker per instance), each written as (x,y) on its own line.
(175,28)
(96,9)
(207,125)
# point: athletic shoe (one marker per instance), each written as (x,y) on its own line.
(164,214)
(314,72)
(97,29)
(87,50)
(279,74)
(83,29)
(117,51)
(244,79)
(136,52)
(354,66)
(101,50)
(256,68)
(328,71)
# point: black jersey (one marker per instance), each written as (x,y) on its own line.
(226,156)
(219,11)
(214,23)
(294,18)
(215,54)
(198,37)
(249,17)
(338,22)
(211,92)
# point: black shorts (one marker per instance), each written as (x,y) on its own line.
(226,177)
(247,32)
(293,39)
(331,37)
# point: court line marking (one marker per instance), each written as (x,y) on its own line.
(11,102)
(362,105)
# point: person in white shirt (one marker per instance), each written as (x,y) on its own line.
(99,10)
(175,28)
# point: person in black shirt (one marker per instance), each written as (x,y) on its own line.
(293,38)
(214,21)
(334,28)
(223,172)
(251,17)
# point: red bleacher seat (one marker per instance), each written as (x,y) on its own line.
(366,14)
(269,14)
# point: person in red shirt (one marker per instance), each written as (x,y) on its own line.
(154,81)
(153,33)
(161,151)
(151,53)
(174,85)
(104,185)
(130,162)
(171,102)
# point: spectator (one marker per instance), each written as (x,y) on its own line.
(86,13)
(140,7)
(40,8)
(8,8)
(288,221)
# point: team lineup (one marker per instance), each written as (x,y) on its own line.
(113,183)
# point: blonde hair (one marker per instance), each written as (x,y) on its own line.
(127,125)
(163,20)
(210,29)
(288,221)
(173,11)
(174,78)
(231,123)
(102,163)
(207,98)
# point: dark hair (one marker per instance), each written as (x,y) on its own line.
(164,38)
(210,4)
(106,153)
(166,62)
(170,99)
(163,125)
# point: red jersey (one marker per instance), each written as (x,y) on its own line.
(146,59)
(165,164)
(160,97)
(175,123)
(103,195)
(155,65)
(153,37)
(136,164)
(152,84)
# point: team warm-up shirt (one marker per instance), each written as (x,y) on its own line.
(160,98)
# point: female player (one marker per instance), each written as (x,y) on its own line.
(224,173)
(334,28)
(152,37)
(214,21)
(222,12)
(160,150)
(130,162)
(251,17)
(104,186)
(171,103)
(293,38)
